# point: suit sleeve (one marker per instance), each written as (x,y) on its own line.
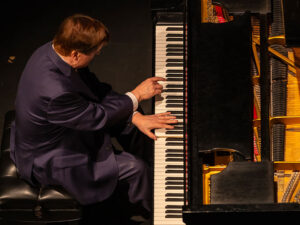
(74,111)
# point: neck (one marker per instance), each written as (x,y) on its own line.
(66,59)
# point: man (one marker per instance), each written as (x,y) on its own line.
(65,119)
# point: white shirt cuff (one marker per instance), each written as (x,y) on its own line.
(135,112)
(134,101)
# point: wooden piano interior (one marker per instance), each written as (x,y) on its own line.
(284,110)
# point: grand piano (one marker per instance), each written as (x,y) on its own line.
(226,65)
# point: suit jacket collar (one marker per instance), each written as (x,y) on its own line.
(64,67)
(69,71)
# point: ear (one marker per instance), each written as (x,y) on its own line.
(75,56)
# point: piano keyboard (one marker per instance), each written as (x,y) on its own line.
(168,149)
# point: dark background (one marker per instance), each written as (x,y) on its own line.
(124,63)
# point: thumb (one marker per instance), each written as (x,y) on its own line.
(157,78)
(150,135)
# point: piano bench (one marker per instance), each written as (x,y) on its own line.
(22,203)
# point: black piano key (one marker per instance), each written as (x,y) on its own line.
(173,207)
(173,90)
(174,187)
(174,54)
(174,132)
(174,97)
(174,151)
(175,171)
(174,144)
(174,155)
(174,39)
(175,50)
(174,35)
(174,166)
(175,71)
(177,216)
(174,194)
(175,112)
(174,64)
(174,139)
(173,216)
(170,105)
(173,211)
(174,101)
(174,79)
(174,160)
(174,178)
(174,199)
(178,129)
(174,60)
(177,75)
(174,29)
(173,105)
(174,183)
(174,46)
(174,86)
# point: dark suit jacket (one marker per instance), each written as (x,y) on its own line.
(62,127)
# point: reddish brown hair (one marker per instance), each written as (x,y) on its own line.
(81,33)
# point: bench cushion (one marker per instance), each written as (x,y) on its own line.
(19,201)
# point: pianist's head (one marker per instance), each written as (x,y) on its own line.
(79,38)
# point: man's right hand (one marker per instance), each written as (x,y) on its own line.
(148,88)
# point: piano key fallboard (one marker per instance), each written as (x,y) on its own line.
(169,147)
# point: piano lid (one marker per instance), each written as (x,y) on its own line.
(241,6)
